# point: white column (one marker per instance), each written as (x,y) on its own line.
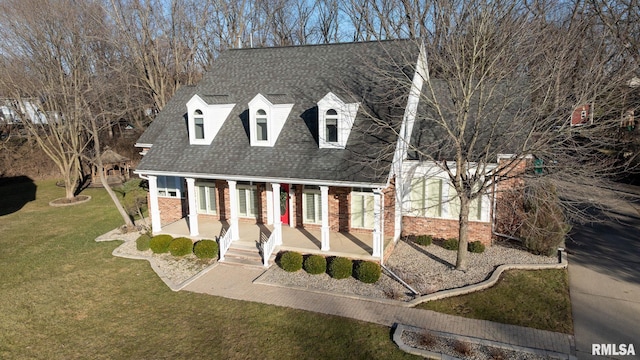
(277,221)
(233,208)
(269,203)
(156,224)
(324,197)
(377,224)
(292,219)
(193,210)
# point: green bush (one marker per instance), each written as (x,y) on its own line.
(206,249)
(181,246)
(368,272)
(340,268)
(159,244)
(291,261)
(475,247)
(142,242)
(315,264)
(424,240)
(450,244)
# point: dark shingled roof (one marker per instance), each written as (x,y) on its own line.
(301,75)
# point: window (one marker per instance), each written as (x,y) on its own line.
(206,198)
(198,122)
(426,197)
(331,120)
(311,205)
(261,125)
(362,210)
(170,186)
(247,200)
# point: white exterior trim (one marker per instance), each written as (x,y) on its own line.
(193,207)
(277,221)
(214,116)
(156,223)
(346,117)
(324,197)
(277,115)
(233,208)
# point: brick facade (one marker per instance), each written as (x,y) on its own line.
(172,209)
(445,228)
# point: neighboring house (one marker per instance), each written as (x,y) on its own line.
(582,115)
(301,142)
(14,112)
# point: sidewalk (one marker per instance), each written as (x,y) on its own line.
(236,282)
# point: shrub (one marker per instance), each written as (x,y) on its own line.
(475,247)
(368,272)
(291,261)
(315,264)
(544,227)
(159,244)
(424,240)
(340,268)
(181,246)
(142,242)
(206,249)
(450,244)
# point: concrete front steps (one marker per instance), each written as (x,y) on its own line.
(244,253)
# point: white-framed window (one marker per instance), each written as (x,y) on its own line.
(311,205)
(247,200)
(206,198)
(170,186)
(198,124)
(362,215)
(262,127)
(437,198)
(331,126)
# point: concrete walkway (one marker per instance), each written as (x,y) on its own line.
(236,282)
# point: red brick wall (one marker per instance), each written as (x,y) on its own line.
(339,208)
(172,209)
(445,228)
(509,197)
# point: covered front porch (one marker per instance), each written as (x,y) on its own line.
(304,240)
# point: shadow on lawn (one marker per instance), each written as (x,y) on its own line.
(15,192)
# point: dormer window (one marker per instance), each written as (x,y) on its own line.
(335,120)
(267,115)
(205,120)
(261,125)
(198,123)
(331,119)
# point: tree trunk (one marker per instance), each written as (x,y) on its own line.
(114,198)
(463,234)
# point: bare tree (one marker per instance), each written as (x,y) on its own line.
(501,80)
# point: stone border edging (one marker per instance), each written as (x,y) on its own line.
(54,204)
(398,329)
(492,280)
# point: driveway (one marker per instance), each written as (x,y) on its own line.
(604,277)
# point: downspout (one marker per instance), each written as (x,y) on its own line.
(398,279)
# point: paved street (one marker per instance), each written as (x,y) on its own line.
(604,276)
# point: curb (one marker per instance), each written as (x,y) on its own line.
(492,280)
(398,329)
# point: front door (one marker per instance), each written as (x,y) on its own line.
(284,203)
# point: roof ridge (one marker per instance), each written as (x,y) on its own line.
(320,45)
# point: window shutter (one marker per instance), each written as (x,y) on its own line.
(242,202)
(369,218)
(318,202)
(416,197)
(356,210)
(310,207)
(202,199)
(253,197)
(434,198)
(454,203)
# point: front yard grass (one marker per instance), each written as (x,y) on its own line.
(64,296)
(532,298)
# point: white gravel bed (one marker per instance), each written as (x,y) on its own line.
(473,351)
(172,268)
(427,269)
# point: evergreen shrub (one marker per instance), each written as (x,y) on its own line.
(368,272)
(291,261)
(315,264)
(159,244)
(206,249)
(181,246)
(340,268)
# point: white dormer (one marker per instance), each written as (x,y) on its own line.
(205,120)
(335,120)
(266,120)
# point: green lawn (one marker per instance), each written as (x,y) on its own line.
(64,296)
(535,298)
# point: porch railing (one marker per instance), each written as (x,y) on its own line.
(269,246)
(224,243)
